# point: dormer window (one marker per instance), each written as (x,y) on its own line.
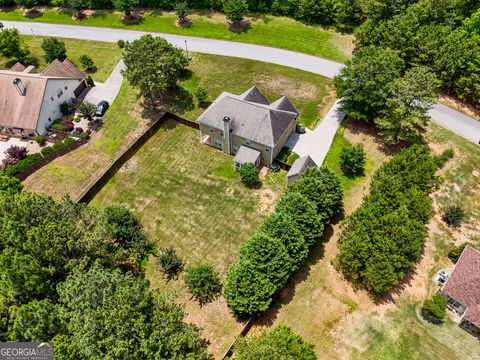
(19,86)
(59,93)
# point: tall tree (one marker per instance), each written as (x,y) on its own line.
(153,65)
(54,49)
(362,84)
(235,10)
(406,111)
(12,46)
(125,6)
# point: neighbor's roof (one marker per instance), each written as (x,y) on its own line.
(23,111)
(463,284)
(246,155)
(251,117)
(300,165)
(65,69)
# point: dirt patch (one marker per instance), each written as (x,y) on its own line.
(267,200)
(438,148)
(130,166)
(288,87)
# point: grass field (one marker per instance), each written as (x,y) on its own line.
(105,55)
(312,95)
(188,196)
(265,30)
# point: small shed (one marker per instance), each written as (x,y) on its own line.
(246,155)
(298,168)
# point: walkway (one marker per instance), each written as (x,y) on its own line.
(109,89)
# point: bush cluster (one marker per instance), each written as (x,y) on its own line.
(352,160)
(58,127)
(435,309)
(170,262)
(249,174)
(203,282)
(384,237)
(454,215)
(21,165)
(281,243)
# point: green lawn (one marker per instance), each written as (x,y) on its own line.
(266,30)
(188,196)
(105,55)
(313,95)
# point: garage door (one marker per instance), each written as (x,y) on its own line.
(80,88)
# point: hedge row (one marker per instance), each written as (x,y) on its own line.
(383,238)
(21,165)
(281,243)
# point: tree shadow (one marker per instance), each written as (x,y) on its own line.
(33,13)
(239,27)
(133,19)
(369,129)
(178,100)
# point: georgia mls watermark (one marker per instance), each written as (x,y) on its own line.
(26,351)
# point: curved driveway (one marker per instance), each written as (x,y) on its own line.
(445,116)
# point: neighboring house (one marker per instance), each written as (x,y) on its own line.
(298,168)
(462,289)
(248,126)
(30,101)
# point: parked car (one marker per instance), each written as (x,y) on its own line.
(442,277)
(102,108)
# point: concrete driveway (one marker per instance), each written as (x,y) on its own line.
(316,143)
(109,89)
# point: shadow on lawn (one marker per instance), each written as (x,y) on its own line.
(286,295)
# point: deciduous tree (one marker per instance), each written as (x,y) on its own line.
(54,49)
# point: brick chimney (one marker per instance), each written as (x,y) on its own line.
(226,135)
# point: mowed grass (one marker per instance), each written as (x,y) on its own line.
(312,95)
(265,30)
(105,55)
(188,196)
(72,173)
(403,334)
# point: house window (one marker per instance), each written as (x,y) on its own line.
(211,129)
(267,148)
(237,165)
(247,142)
(221,132)
(66,87)
(49,119)
(235,149)
(59,92)
(217,142)
(51,98)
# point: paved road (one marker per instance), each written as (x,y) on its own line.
(447,117)
(209,46)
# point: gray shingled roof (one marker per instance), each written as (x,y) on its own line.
(246,155)
(284,104)
(300,165)
(254,121)
(254,95)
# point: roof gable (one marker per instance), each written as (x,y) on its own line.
(284,104)
(463,284)
(300,165)
(65,69)
(254,95)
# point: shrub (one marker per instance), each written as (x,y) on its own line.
(121,43)
(90,81)
(203,282)
(280,343)
(69,125)
(16,152)
(86,110)
(10,185)
(79,129)
(283,154)
(249,174)
(59,127)
(54,49)
(69,141)
(65,108)
(87,62)
(181,9)
(22,164)
(47,150)
(170,262)
(435,309)
(453,216)
(352,160)
(202,95)
(455,253)
(40,139)
(442,159)
(58,145)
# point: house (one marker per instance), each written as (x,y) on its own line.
(462,289)
(30,101)
(248,126)
(298,168)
